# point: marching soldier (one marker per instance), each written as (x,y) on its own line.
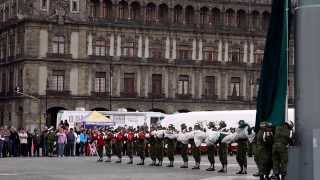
(152,142)
(119,137)
(211,149)
(184,142)
(199,136)
(281,142)
(129,136)
(171,141)
(141,145)
(223,147)
(98,137)
(242,148)
(159,145)
(108,144)
(264,140)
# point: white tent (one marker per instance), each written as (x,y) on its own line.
(203,117)
(96,118)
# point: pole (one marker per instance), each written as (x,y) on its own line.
(304,157)
(110,86)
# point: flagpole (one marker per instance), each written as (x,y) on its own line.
(304,157)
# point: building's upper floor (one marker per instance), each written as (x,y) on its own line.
(220,15)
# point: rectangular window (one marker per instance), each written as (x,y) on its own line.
(58,45)
(1,15)
(156,52)
(128,49)
(210,54)
(4,83)
(74,4)
(258,59)
(235,86)
(44,4)
(156,84)
(12,44)
(183,85)
(57,80)
(210,86)
(184,53)
(129,79)
(100,82)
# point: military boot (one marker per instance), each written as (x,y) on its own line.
(211,168)
(261,177)
(131,161)
(241,170)
(153,163)
(197,166)
(244,170)
(185,165)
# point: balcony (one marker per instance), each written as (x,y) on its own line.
(58,93)
(208,63)
(156,96)
(57,55)
(95,57)
(183,96)
(209,97)
(100,94)
(128,94)
(235,98)
(185,62)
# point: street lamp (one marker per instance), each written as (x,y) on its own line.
(18,91)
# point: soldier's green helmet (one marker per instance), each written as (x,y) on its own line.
(211,124)
(197,126)
(241,122)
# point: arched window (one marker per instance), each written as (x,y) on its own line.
(235,54)
(242,19)
(157,49)
(230,17)
(255,20)
(265,20)
(189,15)
(163,13)
(101,48)
(204,16)
(94,8)
(107,9)
(151,13)
(58,44)
(135,11)
(216,17)
(123,10)
(177,13)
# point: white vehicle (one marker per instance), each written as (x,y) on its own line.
(121,119)
(204,117)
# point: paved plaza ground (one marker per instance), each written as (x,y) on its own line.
(86,168)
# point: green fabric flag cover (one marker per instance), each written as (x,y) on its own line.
(273,85)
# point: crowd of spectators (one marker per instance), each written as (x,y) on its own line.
(49,142)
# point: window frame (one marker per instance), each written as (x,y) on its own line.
(100,82)
(42,5)
(184,85)
(77,8)
(59,43)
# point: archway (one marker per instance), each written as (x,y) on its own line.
(99,109)
(52,113)
(157,110)
(183,111)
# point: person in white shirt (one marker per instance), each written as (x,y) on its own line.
(23,137)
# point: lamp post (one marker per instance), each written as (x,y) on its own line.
(110,85)
(46,101)
(18,91)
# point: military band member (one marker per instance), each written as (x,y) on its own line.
(211,149)
(108,137)
(171,141)
(199,136)
(129,136)
(184,142)
(141,138)
(223,147)
(99,138)
(119,138)
(151,137)
(159,145)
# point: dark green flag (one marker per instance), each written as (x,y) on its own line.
(273,85)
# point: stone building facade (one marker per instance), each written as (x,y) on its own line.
(145,55)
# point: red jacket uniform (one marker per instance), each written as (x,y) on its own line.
(119,137)
(100,140)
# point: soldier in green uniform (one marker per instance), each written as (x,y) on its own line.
(171,141)
(51,140)
(199,136)
(159,145)
(152,141)
(281,142)
(264,141)
(223,147)
(129,137)
(211,149)
(108,144)
(119,137)
(184,142)
(141,145)
(242,149)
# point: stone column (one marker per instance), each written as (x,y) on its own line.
(111,51)
(118,45)
(101,8)
(226,51)
(146,47)
(194,49)
(90,44)
(245,52)
(140,46)
(167,53)
(251,53)
(200,49)
(174,49)
(220,51)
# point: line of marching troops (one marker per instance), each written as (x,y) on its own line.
(159,140)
